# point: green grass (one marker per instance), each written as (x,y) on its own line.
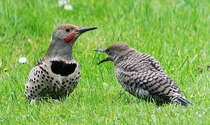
(175,32)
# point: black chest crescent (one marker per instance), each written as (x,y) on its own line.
(62,68)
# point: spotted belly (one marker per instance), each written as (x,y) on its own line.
(44,83)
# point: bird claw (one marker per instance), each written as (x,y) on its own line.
(33,102)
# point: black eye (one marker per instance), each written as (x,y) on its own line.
(67,29)
(107,50)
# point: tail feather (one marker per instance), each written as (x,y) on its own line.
(182,101)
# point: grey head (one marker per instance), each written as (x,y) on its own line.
(114,51)
(64,38)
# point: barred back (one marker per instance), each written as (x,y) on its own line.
(142,76)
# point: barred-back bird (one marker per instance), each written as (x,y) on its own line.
(56,74)
(142,76)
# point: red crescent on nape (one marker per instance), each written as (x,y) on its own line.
(69,38)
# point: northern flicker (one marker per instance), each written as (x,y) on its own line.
(56,74)
(142,76)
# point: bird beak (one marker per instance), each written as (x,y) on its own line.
(99,50)
(105,60)
(84,29)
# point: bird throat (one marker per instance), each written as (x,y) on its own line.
(69,38)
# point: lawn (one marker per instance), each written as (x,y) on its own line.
(175,32)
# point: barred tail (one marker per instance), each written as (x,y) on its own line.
(182,101)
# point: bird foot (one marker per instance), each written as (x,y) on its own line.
(33,102)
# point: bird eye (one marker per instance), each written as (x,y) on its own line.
(68,29)
(107,50)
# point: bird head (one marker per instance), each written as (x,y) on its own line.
(114,51)
(63,40)
(69,33)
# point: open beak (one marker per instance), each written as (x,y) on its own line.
(84,29)
(99,50)
(106,59)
